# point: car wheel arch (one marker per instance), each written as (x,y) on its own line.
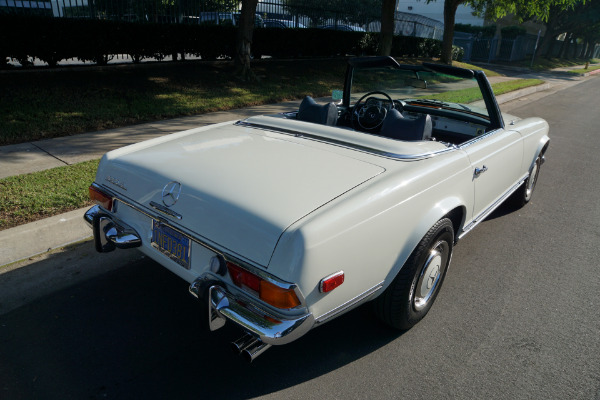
(540,151)
(452,208)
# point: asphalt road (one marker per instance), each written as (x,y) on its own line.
(518,316)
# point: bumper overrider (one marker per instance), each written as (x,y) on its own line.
(263,328)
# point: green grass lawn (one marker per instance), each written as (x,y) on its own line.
(45,104)
(38,105)
(470,95)
(584,71)
(29,197)
(542,63)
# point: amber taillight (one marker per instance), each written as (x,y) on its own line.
(268,292)
(100,198)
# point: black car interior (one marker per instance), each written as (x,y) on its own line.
(400,122)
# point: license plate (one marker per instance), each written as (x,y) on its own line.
(171,243)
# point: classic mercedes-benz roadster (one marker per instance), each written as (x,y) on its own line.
(281,223)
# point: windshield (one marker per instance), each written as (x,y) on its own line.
(420,88)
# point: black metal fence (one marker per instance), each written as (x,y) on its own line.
(508,50)
(350,15)
(490,49)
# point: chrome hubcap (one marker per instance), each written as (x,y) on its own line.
(532,179)
(431,274)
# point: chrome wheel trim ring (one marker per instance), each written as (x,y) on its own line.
(431,274)
(531,181)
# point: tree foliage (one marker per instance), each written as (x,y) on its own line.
(493,9)
(582,21)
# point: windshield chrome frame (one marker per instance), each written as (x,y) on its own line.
(494,114)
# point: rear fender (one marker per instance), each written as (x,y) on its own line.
(440,210)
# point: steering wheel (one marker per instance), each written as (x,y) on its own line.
(370,117)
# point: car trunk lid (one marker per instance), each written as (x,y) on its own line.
(240,187)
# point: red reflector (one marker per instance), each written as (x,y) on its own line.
(243,278)
(331,282)
(100,198)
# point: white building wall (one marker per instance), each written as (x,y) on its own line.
(59,5)
(435,10)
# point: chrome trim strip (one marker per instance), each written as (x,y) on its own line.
(340,143)
(481,217)
(479,138)
(349,304)
(165,210)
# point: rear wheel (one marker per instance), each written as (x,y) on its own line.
(412,293)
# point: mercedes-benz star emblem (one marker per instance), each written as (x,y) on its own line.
(170,193)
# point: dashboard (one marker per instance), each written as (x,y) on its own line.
(441,124)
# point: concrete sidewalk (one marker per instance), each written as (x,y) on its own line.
(38,237)
(40,155)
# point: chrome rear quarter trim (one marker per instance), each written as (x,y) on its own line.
(349,304)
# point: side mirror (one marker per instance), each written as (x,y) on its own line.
(417,83)
(337,95)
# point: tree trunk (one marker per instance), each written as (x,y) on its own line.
(243,47)
(590,52)
(547,41)
(549,37)
(386,37)
(563,47)
(450,7)
(574,45)
(583,49)
(551,46)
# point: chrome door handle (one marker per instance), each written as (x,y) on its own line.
(479,171)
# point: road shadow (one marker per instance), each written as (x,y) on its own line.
(135,333)
(507,207)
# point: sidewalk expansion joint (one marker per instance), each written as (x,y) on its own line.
(50,154)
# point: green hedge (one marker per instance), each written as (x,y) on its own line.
(56,39)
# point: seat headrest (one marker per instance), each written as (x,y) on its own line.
(310,111)
(395,126)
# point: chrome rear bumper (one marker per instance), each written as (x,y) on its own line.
(110,233)
(269,329)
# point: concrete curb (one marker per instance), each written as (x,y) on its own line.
(594,72)
(34,238)
(506,97)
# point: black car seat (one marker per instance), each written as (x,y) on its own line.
(395,126)
(310,111)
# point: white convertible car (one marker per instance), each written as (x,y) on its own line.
(281,223)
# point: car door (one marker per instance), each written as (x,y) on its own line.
(496,162)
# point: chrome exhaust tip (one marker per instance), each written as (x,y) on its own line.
(254,350)
(242,343)
(249,347)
